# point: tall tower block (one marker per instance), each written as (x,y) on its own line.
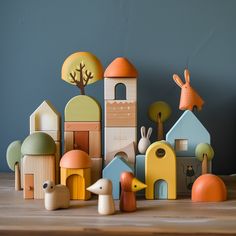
(120,111)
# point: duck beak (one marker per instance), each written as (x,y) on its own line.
(137,185)
(91,188)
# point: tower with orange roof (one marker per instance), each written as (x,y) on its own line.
(120,110)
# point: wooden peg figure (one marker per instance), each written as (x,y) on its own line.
(129,185)
(103,187)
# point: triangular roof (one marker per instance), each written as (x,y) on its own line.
(121,68)
(48,106)
(120,161)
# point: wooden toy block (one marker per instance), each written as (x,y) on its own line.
(82,108)
(37,169)
(95,144)
(45,118)
(144,142)
(56,135)
(189,98)
(82,126)
(58,157)
(13,157)
(96,169)
(140,171)
(186,134)
(103,187)
(209,188)
(188,169)
(56,196)
(128,153)
(81,140)
(117,138)
(76,174)
(110,88)
(120,113)
(113,171)
(129,185)
(68,141)
(160,171)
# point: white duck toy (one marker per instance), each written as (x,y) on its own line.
(103,187)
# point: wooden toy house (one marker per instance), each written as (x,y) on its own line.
(38,163)
(76,174)
(113,171)
(184,136)
(48,120)
(82,130)
(120,111)
(160,171)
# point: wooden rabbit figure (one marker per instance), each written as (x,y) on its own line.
(103,187)
(144,142)
(129,185)
(189,98)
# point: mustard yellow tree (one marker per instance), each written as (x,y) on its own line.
(159,112)
(81,69)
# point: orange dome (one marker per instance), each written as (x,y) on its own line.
(209,188)
(121,68)
(75,159)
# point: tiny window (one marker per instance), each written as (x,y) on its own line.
(181,145)
(120,92)
(160,152)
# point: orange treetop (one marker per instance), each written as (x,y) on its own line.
(121,68)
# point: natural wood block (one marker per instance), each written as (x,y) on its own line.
(45,118)
(82,126)
(110,88)
(82,108)
(96,170)
(95,144)
(81,140)
(42,168)
(56,135)
(29,186)
(68,141)
(120,113)
(58,158)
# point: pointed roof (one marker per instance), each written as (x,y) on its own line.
(121,68)
(122,163)
(46,105)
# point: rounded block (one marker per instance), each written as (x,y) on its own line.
(209,188)
(121,68)
(75,159)
(13,154)
(38,144)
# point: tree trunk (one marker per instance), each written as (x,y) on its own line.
(204,164)
(82,91)
(17,177)
(160,132)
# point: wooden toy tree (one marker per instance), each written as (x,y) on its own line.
(159,112)
(204,153)
(81,69)
(13,157)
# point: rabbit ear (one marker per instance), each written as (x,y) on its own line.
(178,80)
(149,132)
(187,75)
(143,131)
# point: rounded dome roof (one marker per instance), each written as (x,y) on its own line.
(75,159)
(209,188)
(38,144)
(121,68)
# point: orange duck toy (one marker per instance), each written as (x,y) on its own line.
(129,185)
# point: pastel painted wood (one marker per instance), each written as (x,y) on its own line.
(82,126)
(76,173)
(56,196)
(103,187)
(95,144)
(113,171)
(160,171)
(68,141)
(140,171)
(81,140)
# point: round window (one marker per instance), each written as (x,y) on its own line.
(160,152)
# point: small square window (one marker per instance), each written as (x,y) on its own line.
(181,144)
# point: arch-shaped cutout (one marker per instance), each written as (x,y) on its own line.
(160,189)
(76,185)
(120,91)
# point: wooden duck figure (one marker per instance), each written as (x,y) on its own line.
(129,185)
(103,187)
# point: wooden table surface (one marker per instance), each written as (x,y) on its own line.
(153,217)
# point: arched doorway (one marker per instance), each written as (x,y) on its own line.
(120,92)
(76,186)
(160,189)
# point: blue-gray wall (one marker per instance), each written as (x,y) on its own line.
(159,37)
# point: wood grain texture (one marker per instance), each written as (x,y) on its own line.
(68,141)
(95,144)
(153,217)
(82,126)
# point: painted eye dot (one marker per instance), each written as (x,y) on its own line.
(100,187)
(135,186)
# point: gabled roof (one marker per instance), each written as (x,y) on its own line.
(121,68)
(46,105)
(118,162)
